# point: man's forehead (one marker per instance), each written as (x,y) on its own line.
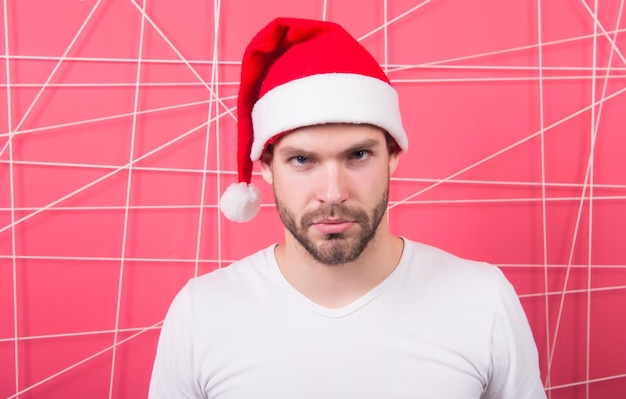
(332,134)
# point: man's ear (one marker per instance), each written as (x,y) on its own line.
(266,171)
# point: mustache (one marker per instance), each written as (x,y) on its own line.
(338,211)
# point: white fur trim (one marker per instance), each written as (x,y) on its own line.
(240,202)
(326,98)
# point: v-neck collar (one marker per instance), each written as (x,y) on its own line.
(359,303)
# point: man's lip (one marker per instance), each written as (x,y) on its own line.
(332,221)
(333,226)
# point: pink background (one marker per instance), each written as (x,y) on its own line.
(110,173)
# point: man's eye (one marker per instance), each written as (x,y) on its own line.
(359,154)
(300,159)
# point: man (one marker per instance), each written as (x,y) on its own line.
(342,308)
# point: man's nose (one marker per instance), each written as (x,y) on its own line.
(332,184)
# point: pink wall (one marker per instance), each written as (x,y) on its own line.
(110,174)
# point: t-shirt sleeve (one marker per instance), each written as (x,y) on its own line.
(514,371)
(173,373)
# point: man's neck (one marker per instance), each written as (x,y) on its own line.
(336,286)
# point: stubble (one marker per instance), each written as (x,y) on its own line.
(335,249)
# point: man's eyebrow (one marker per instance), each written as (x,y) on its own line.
(363,145)
(290,151)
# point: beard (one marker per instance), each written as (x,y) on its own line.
(335,249)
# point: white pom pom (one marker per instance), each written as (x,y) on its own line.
(241,202)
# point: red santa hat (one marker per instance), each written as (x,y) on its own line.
(296,73)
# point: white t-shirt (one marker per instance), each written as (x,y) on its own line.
(437,327)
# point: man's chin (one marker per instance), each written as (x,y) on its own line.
(335,251)
(336,237)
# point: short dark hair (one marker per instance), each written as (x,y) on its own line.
(392,144)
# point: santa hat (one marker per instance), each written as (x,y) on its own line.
(298,73)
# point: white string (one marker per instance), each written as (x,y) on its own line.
(587,184)
(544,230)
(106,118)
(85,360)
(396,19)
(491,68)
(115,84)
(116,60)
(595,125)
(499,52)
(82,334)
(215,89)
(596,266)
(106,259)
(502,151)
(54,70)
(597,24)
(73,165)
(577,291)
(7,67)
(106,176)
(588,381)
(505,183)
(385,37)
(507,200)
(499,79)
(218,189)
(181,57)
(129,181)
(592,139)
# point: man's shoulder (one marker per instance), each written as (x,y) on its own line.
(238,273)
(458,285)
(437,262)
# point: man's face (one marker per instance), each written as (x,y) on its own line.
(331,185)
